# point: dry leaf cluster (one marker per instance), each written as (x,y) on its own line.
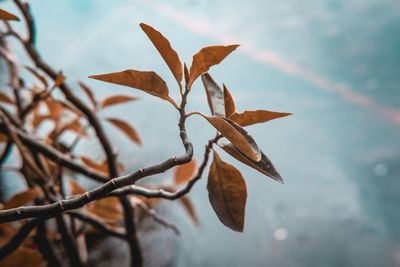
(50,220)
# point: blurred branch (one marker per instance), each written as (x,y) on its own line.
(157,218)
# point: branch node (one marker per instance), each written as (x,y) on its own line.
(19,211)
(87,194)
(60,203)
(113,181)
(141,170)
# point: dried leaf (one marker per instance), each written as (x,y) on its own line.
(58,81)
(164,48)
(40,77)
(264,166)
(22,198)
(6,233)
(187,205)
(184,172)
(101,167)
(249,139)
(116,99)
(257,116)
(3,138)
(227,193)
(55,109)
(75,188)
(186,72)
(147,81)
(206,58)
(106,208)
(237,135)
(4,15)
(228,102)
(23,256)
(89,93)
(215,96)
(5,99)
(72,125)
(126,128)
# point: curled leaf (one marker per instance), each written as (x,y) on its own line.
(164,48)
(5,99)
(227,193)
(264,166)
(215,96)
(206,58)
(228,102)
(126,129)
(89,93)
(186,73)
(237,135)
(4,15)
(257,116)
(184,172)
(22,198)
(147,81)
(116,99)
(187,205)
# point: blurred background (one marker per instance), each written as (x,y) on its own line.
(334,64)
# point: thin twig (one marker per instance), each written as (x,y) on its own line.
(157,218)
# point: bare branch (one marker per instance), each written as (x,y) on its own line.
(96,223)
(157,218)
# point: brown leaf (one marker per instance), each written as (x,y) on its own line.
(187,205)
(40,77)
(89,93)
(228,102)
(3,138)
(6,233)
(106,208)
(5,99)
(237,135)
(206,58)
(116,99)
(256,116)
(147,81)
(264,166)
(58,81)
(184,172)
(186,73)
(22,198)
(126,128)
(215,96)
(227,193)
(72,125)
(101,167)
(55,109)
(4,15)
(23,256)
(75,188)
(164,48)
